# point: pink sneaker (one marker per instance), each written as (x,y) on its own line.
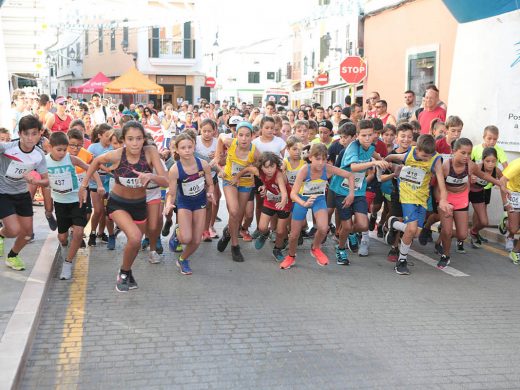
(321,258)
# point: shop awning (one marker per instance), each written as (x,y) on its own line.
(94,85)
(133,82)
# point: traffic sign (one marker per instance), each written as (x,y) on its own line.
(322,79)
(353,69)
(309,84)
(210,82)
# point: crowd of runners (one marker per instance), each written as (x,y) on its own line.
(148,173)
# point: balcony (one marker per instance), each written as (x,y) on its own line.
(168,51)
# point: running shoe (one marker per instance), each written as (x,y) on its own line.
(352,242)
(288,262)
(321,258)
(166,228)
(372,222)
(224,240)
(255,234)
(390,235)
(260,241)
(122,283)
(423,236)
(206,237)
(184,267)
(154,257)
(393,255)
(363,248)
(66,271)
(213,233)
(510,244)
(236,255)
(515,257)
(311,232)
(342,256)
(145,243)
(174,243)
(92,239)
(104,237)
(460,247)
(15,263)
(475,240)
(132,284)
(482,239)
(278,255)
(401,268)
(443,262)
(246,237)
(438,248)
(158,247)
(380,232)
(111,244)
(53,224)
(1,247)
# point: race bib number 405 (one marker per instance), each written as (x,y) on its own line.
(195,187)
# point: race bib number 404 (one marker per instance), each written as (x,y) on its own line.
(16,170)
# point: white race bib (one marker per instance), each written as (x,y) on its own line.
(81,177)
(412,175)
(359,178)
(314,188)
(61,182)
(195,187)
(446,157)
(273,197)
(514,199)
(456,180)
(16,170)
(236,168)
(130,182)
(481,182)
(291,176)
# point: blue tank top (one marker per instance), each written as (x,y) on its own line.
(191,188)
(63,179)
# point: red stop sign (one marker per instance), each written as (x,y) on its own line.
(353,69)
(210,82)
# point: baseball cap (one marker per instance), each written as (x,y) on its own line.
(60,100)
(244,123)
(326,123)
(235,120)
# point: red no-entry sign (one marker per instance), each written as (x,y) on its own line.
(353,69)
(210,82)
(322,79)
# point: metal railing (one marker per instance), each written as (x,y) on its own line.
(171,48)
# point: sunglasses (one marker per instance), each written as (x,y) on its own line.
(337,110)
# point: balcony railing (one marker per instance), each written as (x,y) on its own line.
(171,48)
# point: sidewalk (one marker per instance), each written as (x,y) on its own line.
(21,297)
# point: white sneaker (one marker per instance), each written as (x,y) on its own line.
(363,248)
(154,257)
(66,271)
(510,244)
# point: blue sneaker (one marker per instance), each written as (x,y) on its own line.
(174,242)
(260,241)
(159,248)
(352,242)
(184,267)
(278,255)
(145,243)
(341,256)
(111,244)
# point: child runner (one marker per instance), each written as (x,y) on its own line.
(359,157)
(17,159)
(478,196)
(308,192)
(457,172)
(64,184)
(191,176)
(420,162)
(511,177)
(132,168)
(240,154)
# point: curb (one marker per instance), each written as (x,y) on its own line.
(20,330)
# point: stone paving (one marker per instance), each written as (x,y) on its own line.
(253,326)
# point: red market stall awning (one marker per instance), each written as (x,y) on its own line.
(94,85)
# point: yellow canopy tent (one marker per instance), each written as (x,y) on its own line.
(133,82)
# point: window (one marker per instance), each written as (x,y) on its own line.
(270,75)
(100,39)
(125,32)
(113,36)
(253,77)
(86,42)
(422,71)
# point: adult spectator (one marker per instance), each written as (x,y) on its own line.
(100,112)
(431,111)
(406,112)
(320,113)
(19,110)
(371,102)
(60,121)
(348,101)
(383,114)
(44,112)
(356,113)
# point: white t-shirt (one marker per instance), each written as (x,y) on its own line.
(275,146)
(99,115)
